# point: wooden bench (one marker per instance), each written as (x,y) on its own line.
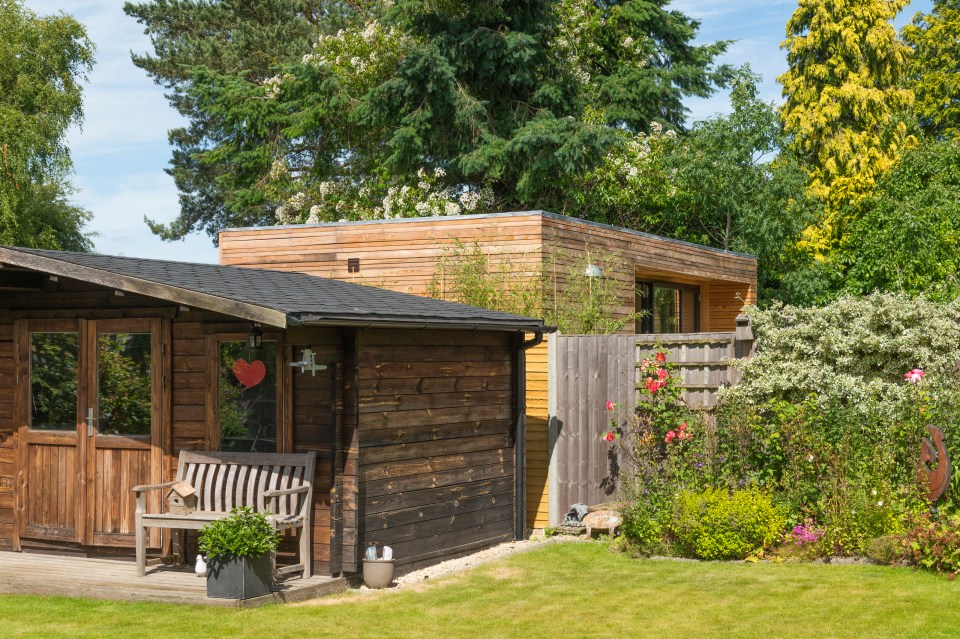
(280,484)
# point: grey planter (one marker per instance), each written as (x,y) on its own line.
(378,573)
(239,578)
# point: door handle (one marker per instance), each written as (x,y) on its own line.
(90,420)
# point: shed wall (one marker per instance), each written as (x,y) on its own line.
(436,443)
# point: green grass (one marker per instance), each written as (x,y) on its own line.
(560,591)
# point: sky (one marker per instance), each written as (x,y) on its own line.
(121,151)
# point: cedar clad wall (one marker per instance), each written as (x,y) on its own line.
(7,470)
(403,255)
(436,444)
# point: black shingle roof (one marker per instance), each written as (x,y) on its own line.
(301,298)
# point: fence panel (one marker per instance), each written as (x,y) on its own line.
(586,371)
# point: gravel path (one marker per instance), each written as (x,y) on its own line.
(468,562)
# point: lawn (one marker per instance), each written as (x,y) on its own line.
(558,591)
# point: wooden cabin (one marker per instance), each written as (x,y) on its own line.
(683,287)
(110,366)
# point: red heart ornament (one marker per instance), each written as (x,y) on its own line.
(249,374)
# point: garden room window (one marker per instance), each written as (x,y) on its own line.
(667,308)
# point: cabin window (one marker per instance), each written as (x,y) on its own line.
(668,308)
(124,378)
(53,380)
(248,397)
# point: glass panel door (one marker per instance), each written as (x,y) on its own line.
(53,380)
(124,362)
(121,447)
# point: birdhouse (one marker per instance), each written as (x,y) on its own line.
(181,499)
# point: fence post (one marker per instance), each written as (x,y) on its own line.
(743,340)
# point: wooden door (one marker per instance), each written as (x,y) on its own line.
(124,448)
(89,424)
(51,483)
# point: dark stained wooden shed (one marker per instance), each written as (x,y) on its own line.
(110,366)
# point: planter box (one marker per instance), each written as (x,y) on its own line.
(239,578)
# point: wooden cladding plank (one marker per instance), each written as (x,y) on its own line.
(426,466)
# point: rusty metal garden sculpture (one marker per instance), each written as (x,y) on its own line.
(936,480)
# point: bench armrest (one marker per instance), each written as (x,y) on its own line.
(145,488)
(285,491)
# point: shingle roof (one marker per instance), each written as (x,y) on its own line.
(276,297)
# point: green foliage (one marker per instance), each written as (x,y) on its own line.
(934,542)
(243,533)
(852,352)
(242,39)
(843,92)
(584,305)
(715,524)
(888,549)
(43,61)
(464,274)
(729,183)
(357,101)
(905,236)
(932,71)
(470,274)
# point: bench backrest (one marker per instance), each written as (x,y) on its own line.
(227,480)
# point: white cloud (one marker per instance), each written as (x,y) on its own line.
(119,207)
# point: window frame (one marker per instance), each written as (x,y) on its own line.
(214,343)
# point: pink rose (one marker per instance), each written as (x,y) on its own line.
(661,357)
(652,385)
(610,406)
(670,436)
(610,436)
(662,373)
(913,376)
(683,426)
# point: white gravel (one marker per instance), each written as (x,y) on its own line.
(468,562)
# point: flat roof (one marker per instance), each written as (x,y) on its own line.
(490,216)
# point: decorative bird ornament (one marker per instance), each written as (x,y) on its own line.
(201,567)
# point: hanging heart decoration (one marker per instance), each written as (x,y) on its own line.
(249,374)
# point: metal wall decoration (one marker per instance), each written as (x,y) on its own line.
(936,480)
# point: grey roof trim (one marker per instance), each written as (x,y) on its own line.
(424,323)
(131,284)
(491,216)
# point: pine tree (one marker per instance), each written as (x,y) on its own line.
(411,107)
(843,95)
(934,70)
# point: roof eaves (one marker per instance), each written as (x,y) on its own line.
(149,288)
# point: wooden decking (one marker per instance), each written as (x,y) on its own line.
(35,574)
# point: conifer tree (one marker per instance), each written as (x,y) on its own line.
(934,69)
(410,107)
(843,95)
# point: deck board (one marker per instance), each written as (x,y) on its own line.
(41,574)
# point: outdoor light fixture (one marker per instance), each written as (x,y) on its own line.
(309,363)
(255,338)
(593,270)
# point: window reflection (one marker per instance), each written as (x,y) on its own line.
(248,397)
(124,389)
(53,380)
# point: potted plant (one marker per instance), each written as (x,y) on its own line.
(239,550)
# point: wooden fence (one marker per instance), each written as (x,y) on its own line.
(586,371)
